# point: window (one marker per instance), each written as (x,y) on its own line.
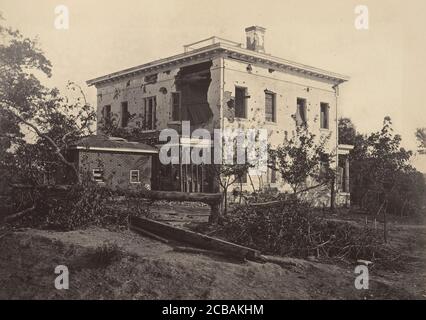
(106,113)
(151,78)
(324,119)
(98,175)
(134,176)
(150,119)
(124,114)
(176,106)
(240,102)
(270,106)
(301,112)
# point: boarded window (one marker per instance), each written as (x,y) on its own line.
(176,106)
(106,113)
(98,175)
(150,119)
(270,106)
(240,102)
(301,117)
(324,118)
(134,176)
(124,114)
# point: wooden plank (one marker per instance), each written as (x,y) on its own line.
(194,238)
(148,234)
(197,251)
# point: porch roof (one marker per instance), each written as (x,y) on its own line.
(344,148)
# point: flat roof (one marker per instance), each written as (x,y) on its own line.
(111,144)
(219,45)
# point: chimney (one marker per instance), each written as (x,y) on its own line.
(255,36)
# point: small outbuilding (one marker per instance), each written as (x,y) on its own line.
(114,162)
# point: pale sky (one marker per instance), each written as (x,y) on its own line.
(386,63)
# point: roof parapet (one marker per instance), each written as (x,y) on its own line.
(209,41)
(214,46)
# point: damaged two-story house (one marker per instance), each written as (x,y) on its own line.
(216,84)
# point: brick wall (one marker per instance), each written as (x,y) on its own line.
(116,167)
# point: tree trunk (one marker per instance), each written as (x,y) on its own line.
(214,213)
(385,231)
(252,185)
(225,201)
(241,193)
(207,198)
(332,196)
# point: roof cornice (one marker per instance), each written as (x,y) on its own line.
(214,49)
(113,149)
(280,63)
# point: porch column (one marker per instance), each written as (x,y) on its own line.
(180,169)
(347,174)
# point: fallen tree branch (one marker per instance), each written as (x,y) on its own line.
(277,202)
(56,148)
(55,187)
(19,214)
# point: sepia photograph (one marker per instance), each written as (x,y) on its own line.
(222,153)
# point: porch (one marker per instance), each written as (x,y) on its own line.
(343,175)
(186,176)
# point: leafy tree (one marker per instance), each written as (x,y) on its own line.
(347,131)
(29,108)
(300,157)
(421,137)
(112,128)
(382,179)
(227,174)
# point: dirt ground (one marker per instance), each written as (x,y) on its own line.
(141,268)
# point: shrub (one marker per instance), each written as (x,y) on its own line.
(98,257)
(104,255)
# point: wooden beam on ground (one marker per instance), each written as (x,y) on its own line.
(47,187)
(194,239)
(148,234)
(197,251)
(208,198)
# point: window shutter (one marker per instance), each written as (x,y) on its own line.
(240,102)
(269,107)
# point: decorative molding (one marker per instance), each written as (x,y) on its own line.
(229,51)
